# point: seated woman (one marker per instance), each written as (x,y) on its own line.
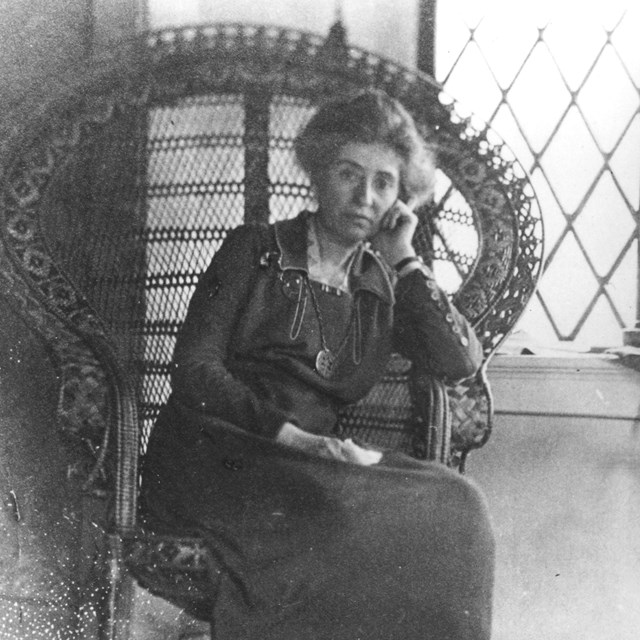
(314,537)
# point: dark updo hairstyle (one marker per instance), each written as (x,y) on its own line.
(369,117)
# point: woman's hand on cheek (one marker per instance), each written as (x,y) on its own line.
(395,233)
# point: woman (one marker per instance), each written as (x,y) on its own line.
(314,537)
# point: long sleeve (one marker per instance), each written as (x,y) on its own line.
(430,331)
(200,378)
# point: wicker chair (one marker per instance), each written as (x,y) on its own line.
(115,197)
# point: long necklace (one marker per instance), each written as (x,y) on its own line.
(326,359)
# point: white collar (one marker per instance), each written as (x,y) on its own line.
(323,271)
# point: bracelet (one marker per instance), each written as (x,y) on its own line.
(399,266)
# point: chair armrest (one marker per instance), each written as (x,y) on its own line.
(125,447)
(471,404)
(432,417)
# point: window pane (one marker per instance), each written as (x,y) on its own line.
(567,75)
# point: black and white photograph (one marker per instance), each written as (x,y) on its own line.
(319,320)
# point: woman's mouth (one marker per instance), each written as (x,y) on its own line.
(360,217)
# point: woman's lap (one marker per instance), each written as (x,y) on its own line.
(314,549)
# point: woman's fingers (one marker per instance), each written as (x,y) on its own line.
(412,203)
(388,220)
(391,217)
(367,457)
(405,214)
(395,233)
(399,214)
(351,452)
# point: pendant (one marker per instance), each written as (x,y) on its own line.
(325,363)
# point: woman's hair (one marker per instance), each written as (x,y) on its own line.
(369,117)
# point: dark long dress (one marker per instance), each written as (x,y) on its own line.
(309,548)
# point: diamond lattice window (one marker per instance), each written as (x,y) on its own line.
(561,86)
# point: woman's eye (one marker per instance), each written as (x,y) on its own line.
(383,183)
(347,174)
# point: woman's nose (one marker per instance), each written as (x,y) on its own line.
(364,192)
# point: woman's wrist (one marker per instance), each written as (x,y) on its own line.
(407,265)
(293,436)
(401,253)
(398,266)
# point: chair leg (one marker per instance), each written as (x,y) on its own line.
(115,625)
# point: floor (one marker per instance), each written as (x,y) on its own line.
(565,499)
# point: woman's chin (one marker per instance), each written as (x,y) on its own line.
(359,231)
(355,237)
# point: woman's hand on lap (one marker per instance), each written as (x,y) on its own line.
(326,447)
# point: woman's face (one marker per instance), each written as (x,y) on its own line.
(356,190)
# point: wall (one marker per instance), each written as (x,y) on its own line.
(40,39)
(587,386)
(389,29)
(45,45)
